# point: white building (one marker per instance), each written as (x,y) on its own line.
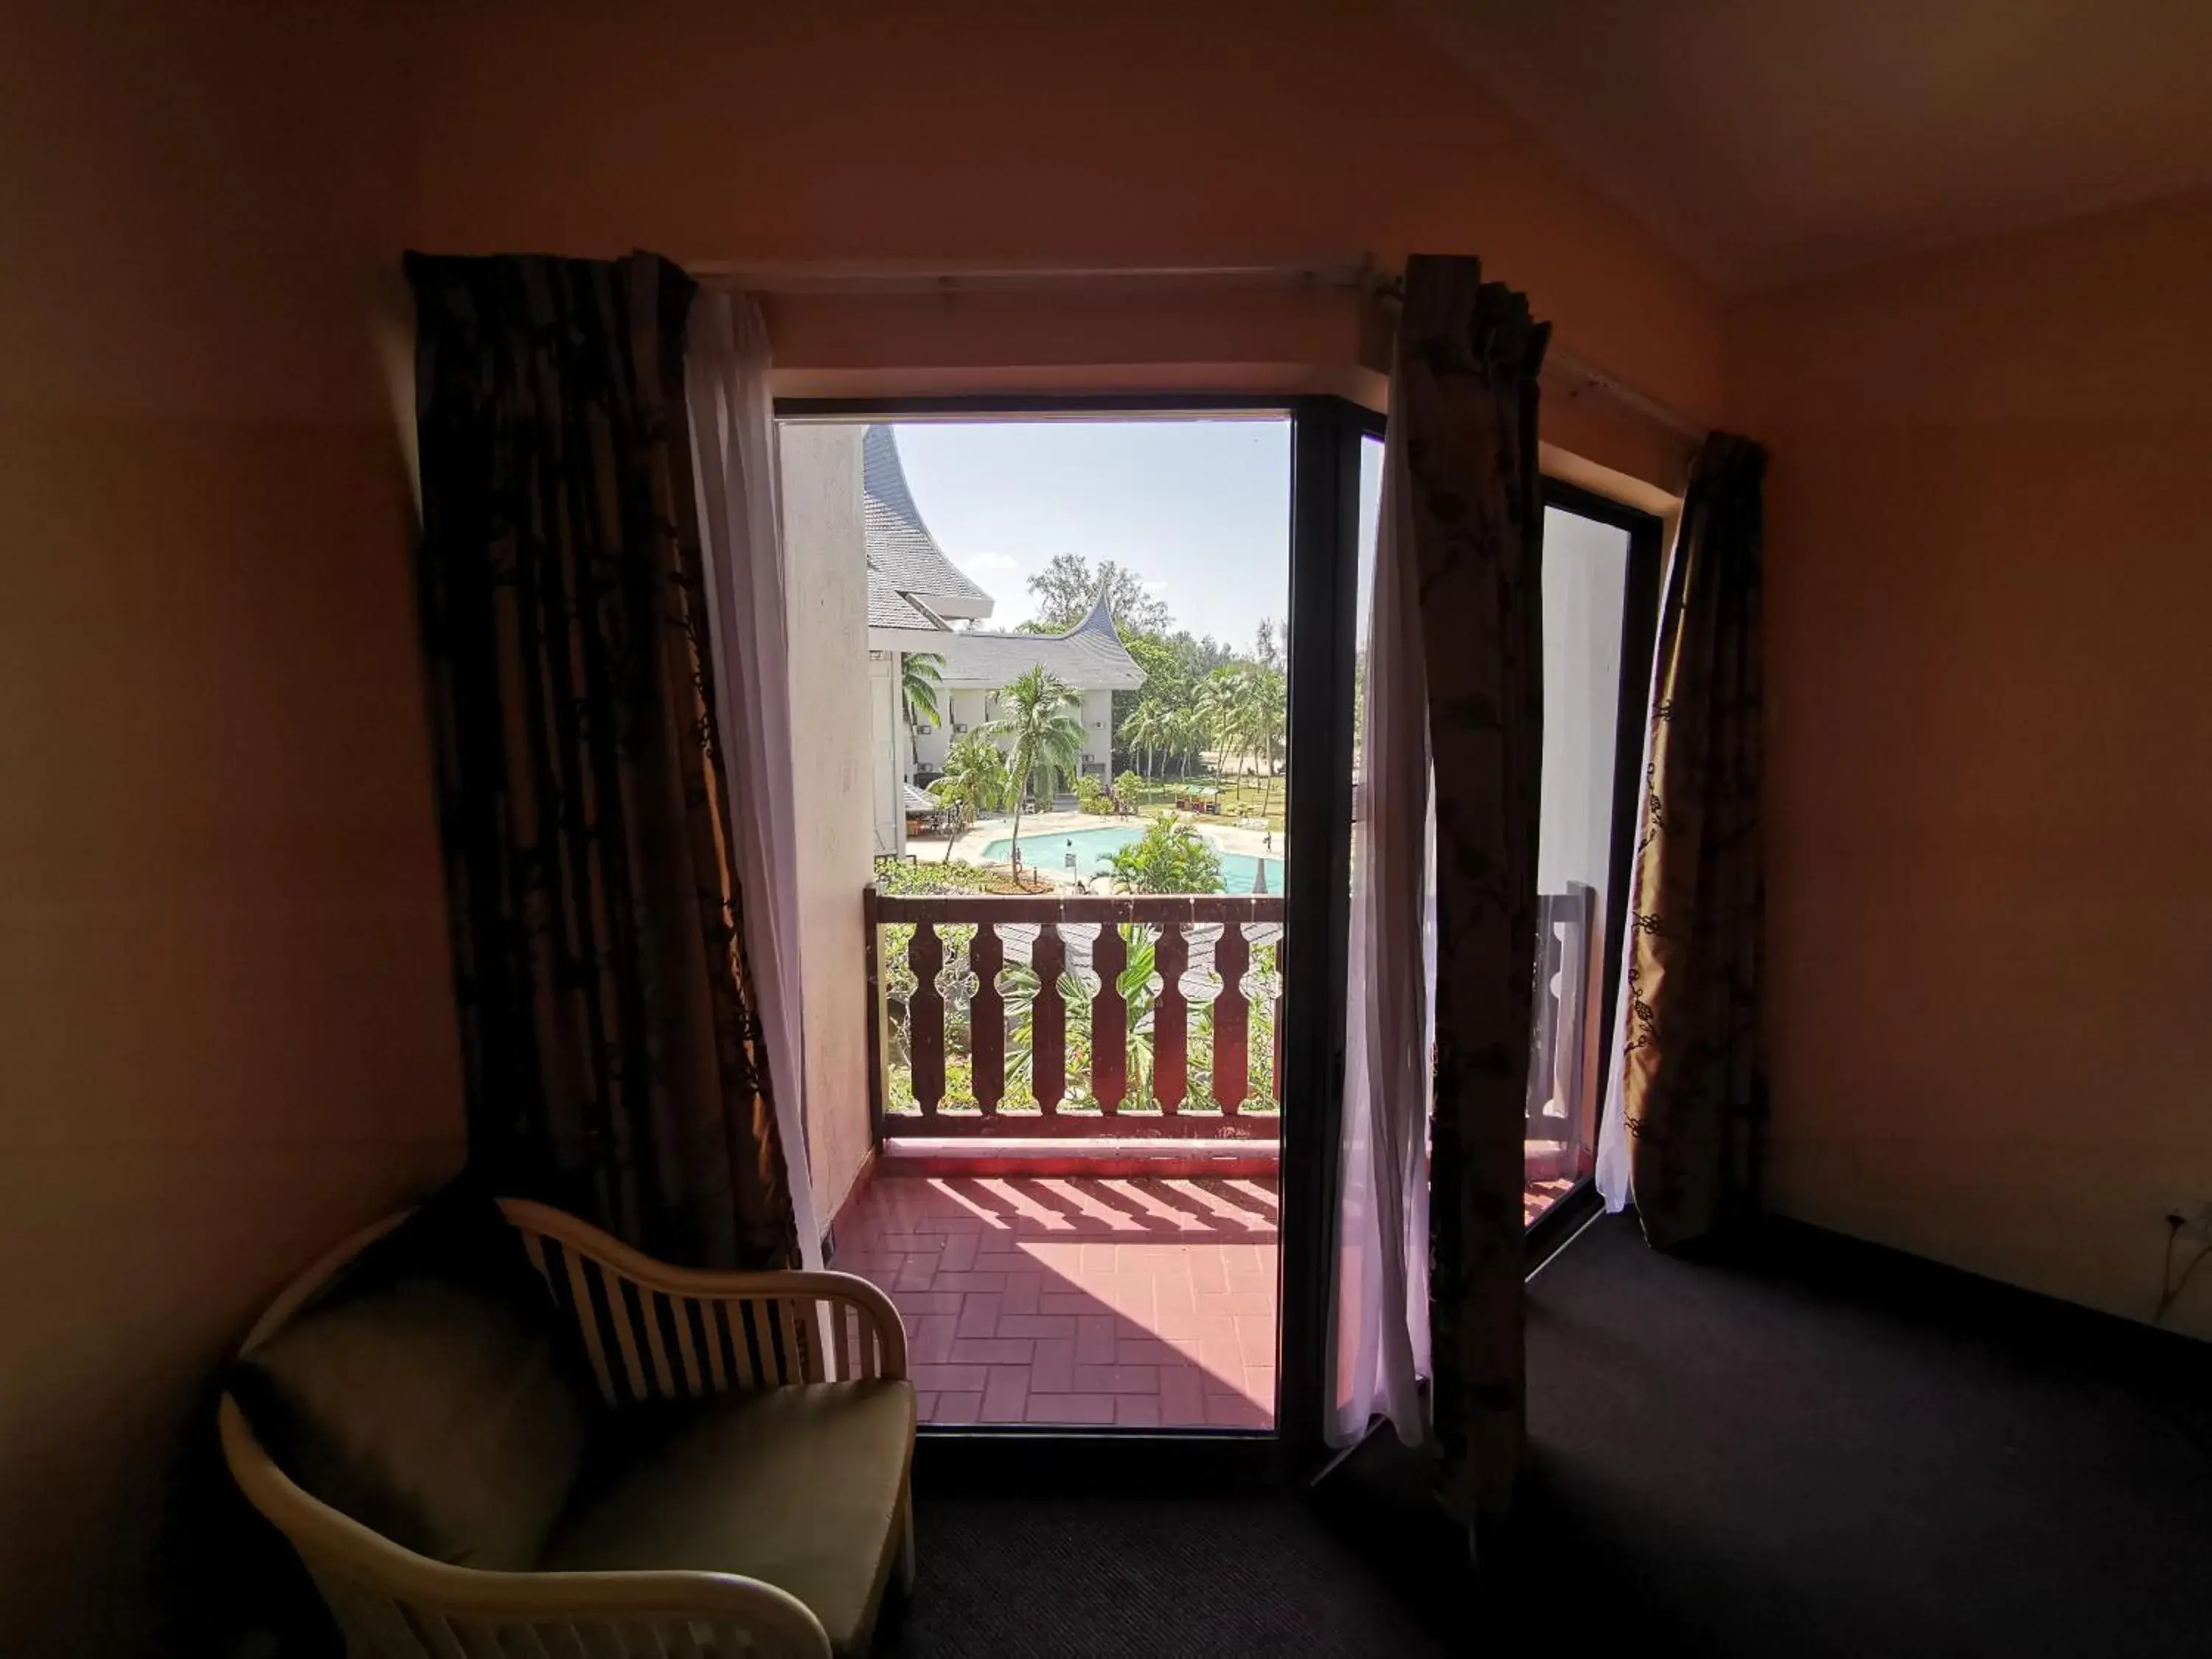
(915,597)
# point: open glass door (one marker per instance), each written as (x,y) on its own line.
(1600,586)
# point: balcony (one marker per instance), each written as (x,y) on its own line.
(1076,1103)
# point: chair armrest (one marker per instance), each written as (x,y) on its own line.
(655,1331)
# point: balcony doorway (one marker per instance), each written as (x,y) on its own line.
(1062,706)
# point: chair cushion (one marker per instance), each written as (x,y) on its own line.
(797,1487)
(425,1392)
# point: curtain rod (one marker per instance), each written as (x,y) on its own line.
(1557,360)
(925,278)
(1361,276)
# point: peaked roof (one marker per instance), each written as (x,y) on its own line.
(900,547)
(1089,656)
(889,608)
(909,579)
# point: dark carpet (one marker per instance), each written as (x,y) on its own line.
(1834,1451)
(1127,1576)
(1840,1450)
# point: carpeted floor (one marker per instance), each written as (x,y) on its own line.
(1843,1451)
(1839,1452)
(1131,1577)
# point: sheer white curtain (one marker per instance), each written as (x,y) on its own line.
(1381,1315)
(741,525)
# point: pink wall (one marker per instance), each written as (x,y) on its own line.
(1990,569)
(226,1023)
(1237,132)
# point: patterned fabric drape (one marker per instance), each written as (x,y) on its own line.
(1694,1076)
(1463,399)
(613,1065)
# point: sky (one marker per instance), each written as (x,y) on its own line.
(1199,510)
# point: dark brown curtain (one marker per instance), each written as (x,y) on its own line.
(1463,402)
(1695,1074)
(613,1063)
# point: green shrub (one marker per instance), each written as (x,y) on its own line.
(1170,858)
(909,878)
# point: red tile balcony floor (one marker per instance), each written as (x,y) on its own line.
(1145,1303)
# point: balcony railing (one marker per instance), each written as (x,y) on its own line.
(1127,1016)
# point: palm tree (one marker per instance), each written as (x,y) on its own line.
(1042,739)
(1225,700)
(922,677)
(1187,736)
(974,779)
(1270,719)
(1146,729)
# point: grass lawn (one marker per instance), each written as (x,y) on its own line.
(1240,798)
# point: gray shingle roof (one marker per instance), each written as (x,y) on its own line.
(904,559)
(889,608)
(898,542)
(1089,656)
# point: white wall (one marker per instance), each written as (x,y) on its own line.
(834,761)
(1097,731)
(887,762)
(926,749)
(968,710)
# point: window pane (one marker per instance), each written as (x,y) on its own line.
(1585,582)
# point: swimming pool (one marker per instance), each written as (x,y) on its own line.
(1047,850)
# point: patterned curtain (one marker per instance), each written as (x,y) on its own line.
(1463,400)
(1694,1076)
(613,1063)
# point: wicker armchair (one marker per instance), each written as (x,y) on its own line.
(654,1334)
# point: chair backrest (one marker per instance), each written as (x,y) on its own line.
(653,1332)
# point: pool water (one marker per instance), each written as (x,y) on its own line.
(1047,850)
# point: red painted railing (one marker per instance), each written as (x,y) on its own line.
(1049,1030)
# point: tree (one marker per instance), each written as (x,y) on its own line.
(1066,588)
(1187,736)
(1225,705)
(1168,680)
(1265,650)
(1042,739)
(1201,656)
(1247,714)
(922,677)
(1269,719)
(1148,729)
(1168,858)
(975,780)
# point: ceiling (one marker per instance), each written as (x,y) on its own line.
(1773,140)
